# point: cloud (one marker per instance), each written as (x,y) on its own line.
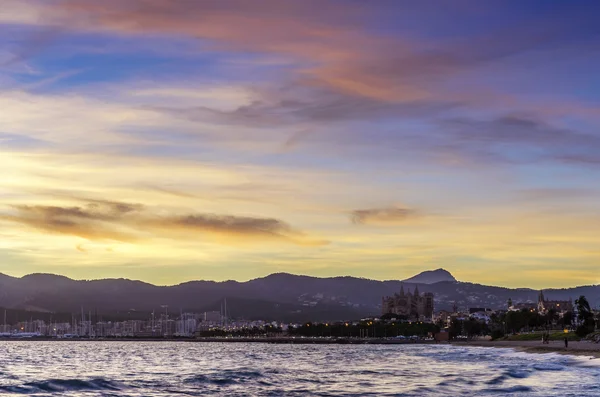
(514,129)
(172,192)
(295,104)
(330,43)
(101,220)
(249,228)
(519,138)
(384,216)
(543,194)
(74,119)
(343,71)
(96,221)
(32,45)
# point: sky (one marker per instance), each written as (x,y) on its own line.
(168,141)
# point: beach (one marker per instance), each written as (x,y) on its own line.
(581,348)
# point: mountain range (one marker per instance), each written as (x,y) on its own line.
(279,296)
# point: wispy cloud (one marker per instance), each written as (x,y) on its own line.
(384,216)
(105,220)
(529,138)
(345,72)
(32,45)
(332,47)
(557,194)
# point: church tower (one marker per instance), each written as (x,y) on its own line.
(541,302)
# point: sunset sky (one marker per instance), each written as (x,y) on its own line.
(170,140)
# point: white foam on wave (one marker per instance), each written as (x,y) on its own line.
(586,361)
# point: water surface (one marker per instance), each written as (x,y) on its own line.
(238,369)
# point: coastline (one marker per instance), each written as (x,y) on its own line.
(576,348)
(270,340)
(579,348)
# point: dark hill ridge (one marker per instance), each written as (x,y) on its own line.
(279,296)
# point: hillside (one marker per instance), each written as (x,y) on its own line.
(277,296)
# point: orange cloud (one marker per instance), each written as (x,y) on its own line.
(96,221)
(106,220)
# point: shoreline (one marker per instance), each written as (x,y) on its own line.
(269,340)
(576,348)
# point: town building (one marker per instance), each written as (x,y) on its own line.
(517,307)
(443,318)
(412,306)
(213,317)
(544,305)
(473,310)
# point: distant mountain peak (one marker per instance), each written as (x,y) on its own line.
(431,277)
(45,277)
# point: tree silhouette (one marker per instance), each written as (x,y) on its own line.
(583,307)
(585,314)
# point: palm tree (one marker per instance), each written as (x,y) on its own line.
(583,308)
(585,313)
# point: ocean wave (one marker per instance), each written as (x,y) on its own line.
(15,389)
(225,377)
(497,380)
(203,379)
(509,374)
(456,381)
(64,385)
(512,389)
(548,367)
(518,374)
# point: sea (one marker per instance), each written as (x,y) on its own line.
(90,368)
